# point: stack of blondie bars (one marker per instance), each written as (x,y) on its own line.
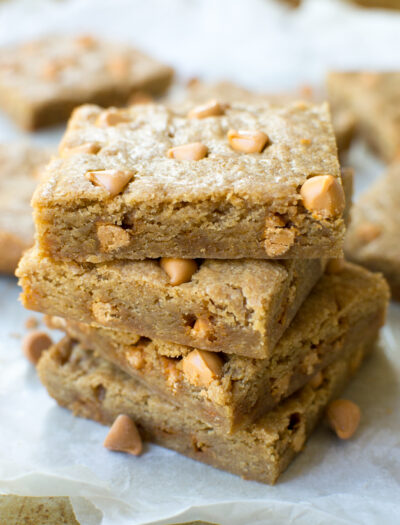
(193,259)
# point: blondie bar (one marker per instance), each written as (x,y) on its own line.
(93,388)
(230,391)
(372,239)
(238,306)
(19,175)
(42,81)
(374,99)
(147,182)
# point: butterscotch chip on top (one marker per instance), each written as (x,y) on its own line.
(203,97)
(41,83)
(20,167)
(372,236)
(374,100)
(200,188)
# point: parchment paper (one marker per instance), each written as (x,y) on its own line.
(45,451)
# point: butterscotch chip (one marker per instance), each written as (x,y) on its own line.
(368,231)
(335,265)
(34,344)
(90,148)
(343,417)
(119,66)
(124,436)
(135,358)
(210,109)
(179,270)
(114,181)
(86,41)
(247,141)
(323,195)
(111,117)
(202,328)
(192,151)
(50,71)
(112,237)
(317,380)
(201,367)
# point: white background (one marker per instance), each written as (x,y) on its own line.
(44,450)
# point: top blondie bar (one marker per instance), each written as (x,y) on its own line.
(42,81)
(218,181)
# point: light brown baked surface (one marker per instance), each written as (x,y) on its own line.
(342,311)
(374,99)
(247,304)
(24,510)
(227,205)
(19,175)
(42,81)
(198,92)
(372,239)
(93,388)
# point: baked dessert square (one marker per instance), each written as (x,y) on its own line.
(42,81)
(199,92)
(146,182)
(372,239)
(20,167)
(238,306)
(93,388)
(374,100)
(228,391)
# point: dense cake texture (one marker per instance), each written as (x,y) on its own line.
(42,81)
(342,312)
(238,306)
(372,239)
(19,175)
(198,92)
(147,182)
(93,388)
(374,99)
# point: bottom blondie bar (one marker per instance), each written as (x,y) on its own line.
(93,388)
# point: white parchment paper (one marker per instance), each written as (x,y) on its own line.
(44,450)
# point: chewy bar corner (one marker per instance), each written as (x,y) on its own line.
(237,307)
(95,389)
(225,182)
(42,81)
(230,392)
